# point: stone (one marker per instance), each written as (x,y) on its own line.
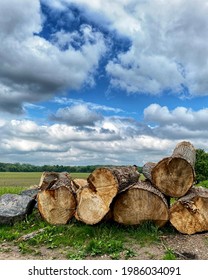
(14,207)
(30,192)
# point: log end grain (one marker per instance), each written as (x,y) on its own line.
(189,214)
(104,183)
(173,176)
(91,208)
(140,203)
(56,206)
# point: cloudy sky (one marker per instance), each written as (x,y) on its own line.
(102,82)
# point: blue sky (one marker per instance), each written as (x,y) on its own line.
(102,82)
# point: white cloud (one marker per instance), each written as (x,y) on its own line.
(113,140)
(77,115)
(185,117)
(32,68)
(168,49)
(90,105)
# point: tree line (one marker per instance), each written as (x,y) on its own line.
(24,167)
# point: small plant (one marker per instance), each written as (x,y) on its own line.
(129,254)
(169,255)
(102,247)
(24,248)
(79,255)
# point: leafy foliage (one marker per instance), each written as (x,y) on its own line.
(201,166)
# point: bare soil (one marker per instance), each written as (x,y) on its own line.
(185,247)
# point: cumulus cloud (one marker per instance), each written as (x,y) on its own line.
(32,68)
(90,105)
(168,48)
(193,120)
(179,123)
(114,140)
(77,115)
(111,140)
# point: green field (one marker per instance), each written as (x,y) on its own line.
(15,182)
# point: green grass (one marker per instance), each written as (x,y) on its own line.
(203,184)
(169,255)
(19,179)
(78,240)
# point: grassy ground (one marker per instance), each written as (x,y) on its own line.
(77,240)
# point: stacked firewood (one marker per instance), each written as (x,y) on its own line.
(118,193)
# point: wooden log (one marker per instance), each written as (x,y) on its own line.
(49,179)
(93,200)
(57,206)
(175,175)
(91,208)
(79,183)
(140,202)
(189,214)
(57,197)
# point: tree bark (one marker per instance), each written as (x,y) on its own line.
(189,214)
(175,175)
(93,200)
(140,202)
(57,197)
(54,179)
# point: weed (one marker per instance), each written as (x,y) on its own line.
(79,255)
(129,254)
(169,255)
(102,247)
(24,248)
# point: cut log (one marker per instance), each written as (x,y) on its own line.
(175,175)
(91,209)
(189,214)
(57,206)
(141,202)
(49,180)
(93,200)
(57,197)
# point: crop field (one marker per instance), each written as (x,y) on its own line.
(15,182)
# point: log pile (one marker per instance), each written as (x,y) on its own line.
(118,193)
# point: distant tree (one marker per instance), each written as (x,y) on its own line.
(201,166)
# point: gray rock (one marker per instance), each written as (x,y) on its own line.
(30,192)
(14,207)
